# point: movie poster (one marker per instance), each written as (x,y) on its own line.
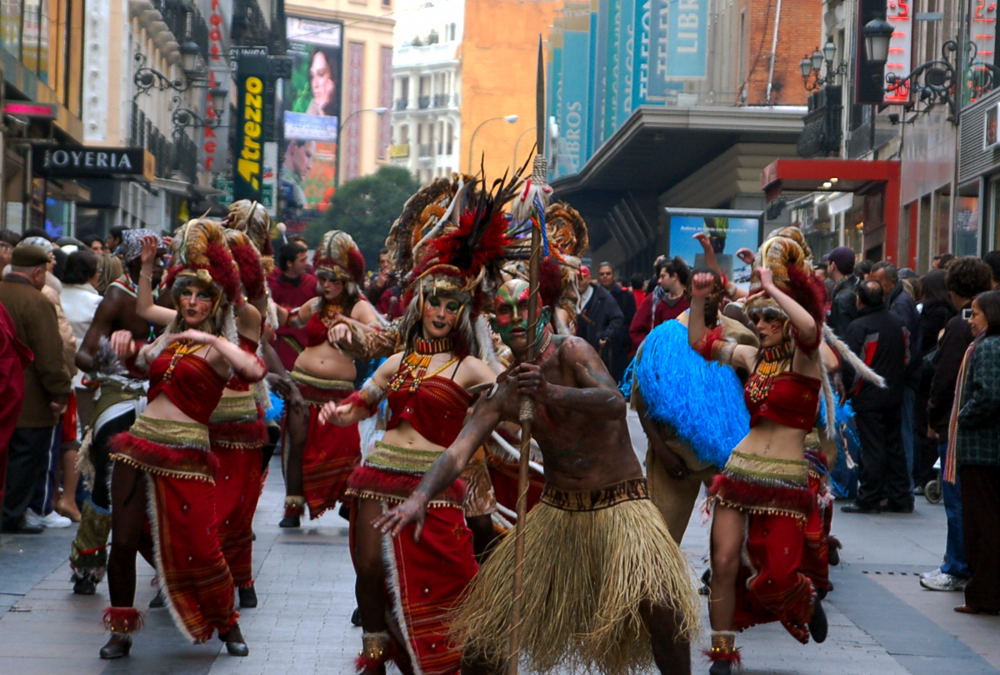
(311,118)
(728,232)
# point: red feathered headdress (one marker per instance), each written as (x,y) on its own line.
(248,261)
(200,251)
(337,253)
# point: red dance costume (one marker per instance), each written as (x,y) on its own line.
(331,452)
(780,507)
(425,578)
(237,433)
(178,467)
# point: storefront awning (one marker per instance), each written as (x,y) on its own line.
(841,175)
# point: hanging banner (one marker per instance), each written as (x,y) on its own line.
(248,151)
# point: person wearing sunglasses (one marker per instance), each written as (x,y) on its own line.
(762,499)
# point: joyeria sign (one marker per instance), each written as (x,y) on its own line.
(81,162)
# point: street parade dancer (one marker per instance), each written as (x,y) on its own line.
(319,459)
(762,499)
(428,389)
(236,428)
(163,466)
(119,398)
(606,589)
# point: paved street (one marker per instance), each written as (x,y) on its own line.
(881,621)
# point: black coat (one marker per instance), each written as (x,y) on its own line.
(843,307)
(601,319)
(877,337)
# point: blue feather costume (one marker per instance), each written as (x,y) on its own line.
(701,400)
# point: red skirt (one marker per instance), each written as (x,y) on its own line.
(331,453)
(238,483)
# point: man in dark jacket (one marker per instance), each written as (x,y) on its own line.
(901,304)
(622,345)
(46,382)
(600,318)
(877,337)
(965,278)
(843,309)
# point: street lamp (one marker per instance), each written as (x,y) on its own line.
(517,144)
(340,137)
(811,66)
(509,119)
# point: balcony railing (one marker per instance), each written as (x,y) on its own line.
(401,104)
(424,102)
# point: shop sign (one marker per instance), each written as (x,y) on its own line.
(249,150)
(81,162)
(30,109)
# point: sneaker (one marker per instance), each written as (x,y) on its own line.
(943,582)
(32,519)
(933,573)
(54,521)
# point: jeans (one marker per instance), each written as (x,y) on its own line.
(955,561)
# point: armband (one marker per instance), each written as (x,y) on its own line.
(293,318)
(812,346)
(705,345)
(355,399)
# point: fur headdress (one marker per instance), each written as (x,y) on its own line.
(251,217)
(200,251)
(337,253)
(248,262)
(792,273)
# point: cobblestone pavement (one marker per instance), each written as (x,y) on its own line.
(881,621)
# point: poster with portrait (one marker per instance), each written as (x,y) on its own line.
(727,231)
(311,119)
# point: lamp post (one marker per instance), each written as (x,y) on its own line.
(517,144)
(509,119)
(340,136)
(810,65)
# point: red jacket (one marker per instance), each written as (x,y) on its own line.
(644,321)
(289,293)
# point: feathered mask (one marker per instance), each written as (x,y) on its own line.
(338,254)
(200,251)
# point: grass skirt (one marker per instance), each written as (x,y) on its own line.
(586,575)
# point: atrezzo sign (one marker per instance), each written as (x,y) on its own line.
(248,174)
(59,161)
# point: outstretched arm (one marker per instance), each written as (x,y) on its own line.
(485,416)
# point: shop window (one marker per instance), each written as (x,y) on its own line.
(10,26)
(965,235)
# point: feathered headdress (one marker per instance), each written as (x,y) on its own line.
(200,251)
(251,217)
(337,253)
(792,273)
(248,262)
(464,257)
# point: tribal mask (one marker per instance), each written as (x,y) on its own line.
(511,308)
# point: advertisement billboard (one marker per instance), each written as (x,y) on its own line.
(728,231)
(311,119)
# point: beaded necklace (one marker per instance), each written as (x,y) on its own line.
(772,362)
(181,349)
(415,363)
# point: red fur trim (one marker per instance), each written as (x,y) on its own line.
(742,493)
(356,265)
(156,454)
(809,292)
(224,271)
(732,657)
(402,485)
(251,273)
(363,663)
(122,619)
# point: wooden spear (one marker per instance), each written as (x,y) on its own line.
(527,207)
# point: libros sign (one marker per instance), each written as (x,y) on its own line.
(80,162)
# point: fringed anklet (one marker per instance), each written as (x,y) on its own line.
(124,620)
(723,649)
(374,651)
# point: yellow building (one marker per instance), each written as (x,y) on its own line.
(498,58)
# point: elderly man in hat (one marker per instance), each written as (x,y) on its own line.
(46,382)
